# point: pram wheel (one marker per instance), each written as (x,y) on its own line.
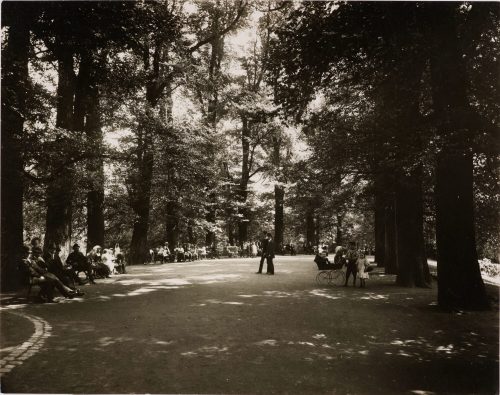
(337,277)
(322,278)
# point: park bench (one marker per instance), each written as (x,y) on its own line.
(27,280)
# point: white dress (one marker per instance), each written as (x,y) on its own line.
(107,259)
(362,264)
(254,249)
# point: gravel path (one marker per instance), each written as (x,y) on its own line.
(217,327)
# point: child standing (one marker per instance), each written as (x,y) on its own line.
(362,264)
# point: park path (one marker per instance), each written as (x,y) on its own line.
(217,327)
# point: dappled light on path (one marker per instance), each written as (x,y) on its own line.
(216,301)
(207,352)
(181,325)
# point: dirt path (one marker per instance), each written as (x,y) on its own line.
(217,327)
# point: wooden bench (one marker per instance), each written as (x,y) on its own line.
(27,280)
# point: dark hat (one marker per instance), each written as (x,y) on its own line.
(75,246)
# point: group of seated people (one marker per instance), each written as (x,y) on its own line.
(46,268)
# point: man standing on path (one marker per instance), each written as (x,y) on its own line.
(351,257)
(270,254)
(263,244)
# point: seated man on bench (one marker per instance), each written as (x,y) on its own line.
(80,263)
(41,276)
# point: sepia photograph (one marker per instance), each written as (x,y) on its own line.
(250,197)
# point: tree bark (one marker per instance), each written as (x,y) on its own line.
(459,277)
(141,181)
(95,194)
(413,270)
(380,205)
(87,119)
(339,236)
(141,197)
(60,192)
(245,176)
(310,230)
(390,242)
(216,54)
(172,224)
(279,224)
(14,86)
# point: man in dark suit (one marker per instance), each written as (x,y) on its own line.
(270,254)
(263,246)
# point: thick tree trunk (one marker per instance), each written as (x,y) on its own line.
(141,182)
(95,195)
(245,176)
(380,205)
(210,235)
(310,230)
(459,277)
(413,270)
(141,199)
(390,242)
(460,284)
(279,221)
(243,225)
(339,237)
(60,191)
(172,224)
(216,54)
(14,86)
(86,118)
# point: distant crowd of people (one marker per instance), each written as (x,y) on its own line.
(181,253)
(189,252)
(44,267)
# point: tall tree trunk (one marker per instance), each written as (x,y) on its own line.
(390,244)
(172,225)
(60,191)
(245,176)
(141,197)
(141,181)
(95,195)
(339,234)
(412,260)
(14,87)
(380,205)
(459,277)
(279,222)
(310,226)
(317,229)
(216,54)
(86,118)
